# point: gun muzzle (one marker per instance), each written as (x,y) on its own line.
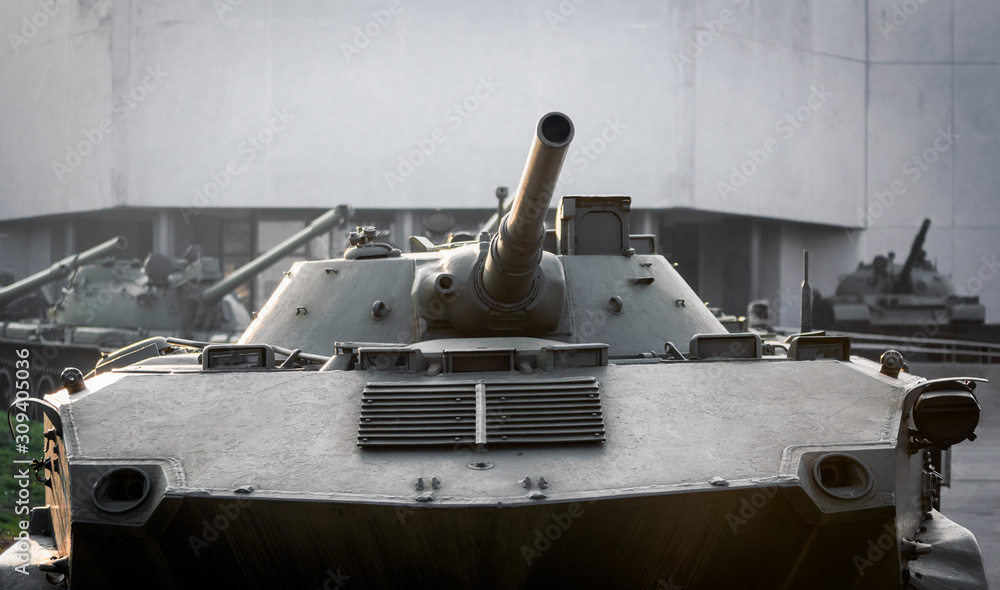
(510,272)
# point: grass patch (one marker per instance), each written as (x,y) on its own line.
(9,486)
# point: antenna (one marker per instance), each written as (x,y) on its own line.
(501,197)
(805,316)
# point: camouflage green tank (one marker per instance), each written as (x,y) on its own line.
(886,297)
(111,303)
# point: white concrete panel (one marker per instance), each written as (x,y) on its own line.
(839,28)
(469,109)
(30,23)
(834,28)
(625,109)
(910,146)
(59,115)
(977,31)
(349,113)
(910,31)
(977,150)
(213,95)
(372,99)
(976,272)
(227,12)
(809,167)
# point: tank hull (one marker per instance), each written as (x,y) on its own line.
(724,538)
(645,508)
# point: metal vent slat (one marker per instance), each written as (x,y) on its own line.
(546,411)
(426,414)
(581,417)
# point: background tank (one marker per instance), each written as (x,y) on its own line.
(10,293)
(112,303)
(886,297)
(36,332)
(533,408)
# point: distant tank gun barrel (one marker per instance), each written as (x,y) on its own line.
(60,269)
(902,282)
(516,250)
(320,225)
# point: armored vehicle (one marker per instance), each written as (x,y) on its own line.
(23,322)
(111,303)
(885,297)
(542,409)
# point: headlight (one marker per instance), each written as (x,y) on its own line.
(946,416)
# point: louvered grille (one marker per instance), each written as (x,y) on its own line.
(480,412)
(538,412)
(427,414)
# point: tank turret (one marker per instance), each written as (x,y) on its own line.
(885,297)
(185,297)
(523,281)
(60,269)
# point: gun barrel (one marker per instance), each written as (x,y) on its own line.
(320,225)
(60,269)
(516,250)
(903,281)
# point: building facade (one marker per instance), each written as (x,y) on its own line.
(744,131)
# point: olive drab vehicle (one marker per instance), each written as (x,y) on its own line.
(885,297)
(111,303)
(25,325)
(542,409)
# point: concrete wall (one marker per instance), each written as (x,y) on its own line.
(57,85)
(653,88)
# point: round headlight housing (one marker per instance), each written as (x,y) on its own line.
(946,416)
